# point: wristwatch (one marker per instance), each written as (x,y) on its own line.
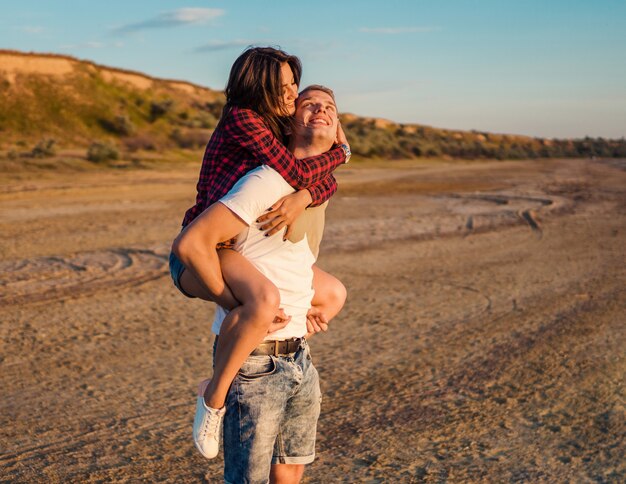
(346,150)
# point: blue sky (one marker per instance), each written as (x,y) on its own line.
(550,68)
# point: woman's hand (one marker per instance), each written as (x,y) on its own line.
(341,136)
(284,212)
(280,321)
(316,321)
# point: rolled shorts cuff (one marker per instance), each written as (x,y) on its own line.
(176,271)
(293,460)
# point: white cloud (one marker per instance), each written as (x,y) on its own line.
(216,45)
(30,29)
(397,30)
(192,15)
(311,46)
(174,18)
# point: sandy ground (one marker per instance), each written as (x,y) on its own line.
(483,339)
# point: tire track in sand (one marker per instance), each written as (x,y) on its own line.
(56,278)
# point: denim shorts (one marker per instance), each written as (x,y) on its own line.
(176,270)
(271,416)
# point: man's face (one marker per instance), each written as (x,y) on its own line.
(316,116)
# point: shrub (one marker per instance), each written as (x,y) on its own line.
(120,125)
(191,139)
(198,119)
(619,149)
(205,120)
(433,151)
(214,107)
(44,149)
(161,108)
(124,125)
(140,142)
(102,151)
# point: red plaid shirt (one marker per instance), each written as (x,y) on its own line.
(242,141)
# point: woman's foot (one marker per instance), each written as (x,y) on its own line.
(207,425)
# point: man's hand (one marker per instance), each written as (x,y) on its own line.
(280,321)
(316,321)
(284,212)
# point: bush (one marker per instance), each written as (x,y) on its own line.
(198,119)
(102,151)
(120,125)
(140,142)
(44,149)
(192,138)
(214,108)
(204,119)
(158,109)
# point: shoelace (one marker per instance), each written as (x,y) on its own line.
(211,422)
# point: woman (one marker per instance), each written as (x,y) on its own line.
(260,97)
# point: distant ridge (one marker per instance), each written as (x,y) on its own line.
(68,102)
(7,54)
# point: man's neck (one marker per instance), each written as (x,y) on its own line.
(307,148)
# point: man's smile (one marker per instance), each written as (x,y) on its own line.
(319,121)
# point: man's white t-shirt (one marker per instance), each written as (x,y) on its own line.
(288,265)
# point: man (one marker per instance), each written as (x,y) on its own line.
(273,404)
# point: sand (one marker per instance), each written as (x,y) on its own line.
(482,340)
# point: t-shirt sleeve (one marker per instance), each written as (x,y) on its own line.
(255,192)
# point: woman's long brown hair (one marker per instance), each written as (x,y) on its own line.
(254,83)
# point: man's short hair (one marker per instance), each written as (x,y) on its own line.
(319,87)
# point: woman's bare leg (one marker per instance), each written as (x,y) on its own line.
(192,286)
(244,327)
(330,293)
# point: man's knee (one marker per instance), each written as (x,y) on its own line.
(339,294)
(334,297)
(286,473)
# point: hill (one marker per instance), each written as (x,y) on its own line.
(376,138)
(75,102)
(51,100)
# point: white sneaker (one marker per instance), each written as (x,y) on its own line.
(206,428)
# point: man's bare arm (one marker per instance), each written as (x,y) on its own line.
(196,248)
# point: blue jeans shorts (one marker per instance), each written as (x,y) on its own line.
(271,416)
(176,270)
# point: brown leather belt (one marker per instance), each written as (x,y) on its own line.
(278,348)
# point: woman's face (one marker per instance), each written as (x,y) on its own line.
(289,90)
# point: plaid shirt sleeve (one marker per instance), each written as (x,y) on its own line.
(250,131)
(323,190)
